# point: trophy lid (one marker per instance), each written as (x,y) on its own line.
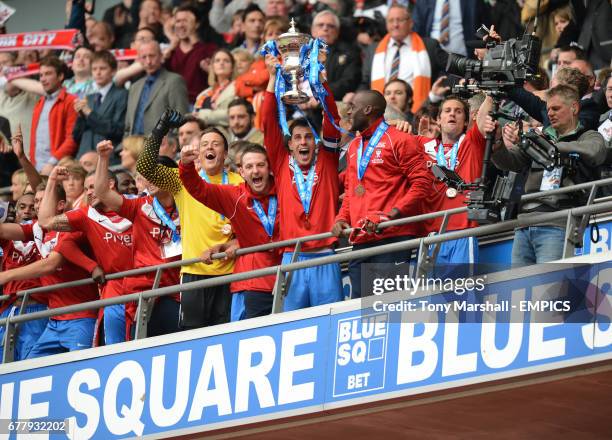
(293,35)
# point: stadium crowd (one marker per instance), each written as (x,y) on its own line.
(179,154)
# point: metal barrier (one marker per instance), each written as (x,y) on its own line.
(576,218)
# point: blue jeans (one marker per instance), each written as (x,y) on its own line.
(537,244)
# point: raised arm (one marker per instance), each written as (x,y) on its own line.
(110,198)
(33,177)
(124,75)
(216,197)
(28,85)
(11,231)
(274,141)
(165,178)
(48,206)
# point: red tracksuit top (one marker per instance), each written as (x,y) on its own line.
(396,177)
(325,190)
(236,203)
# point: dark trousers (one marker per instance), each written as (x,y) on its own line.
(165,317)
(204,307)
(257,303)
(382,265)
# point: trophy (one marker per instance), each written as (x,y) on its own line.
(290,47)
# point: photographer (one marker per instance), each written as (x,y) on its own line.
(544,242)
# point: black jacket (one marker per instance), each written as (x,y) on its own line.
(343,67)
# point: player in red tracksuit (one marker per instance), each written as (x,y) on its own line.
(461,151)
(252,208)
(313,210)
(386,178)
(110,238)
(157,239)
(59,251)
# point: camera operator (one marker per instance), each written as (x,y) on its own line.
(544,242)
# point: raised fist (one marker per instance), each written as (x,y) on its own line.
(105,148)
(173,118)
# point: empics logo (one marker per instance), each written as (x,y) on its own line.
(361,350)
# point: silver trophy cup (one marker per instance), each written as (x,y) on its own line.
(289,45)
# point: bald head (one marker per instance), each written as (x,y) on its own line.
(367,106)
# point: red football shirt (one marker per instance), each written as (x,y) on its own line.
(110,238)
(62,242)
(325,189)
(468,167)
(236,203)
(152,243)
(396,177)
(18,254)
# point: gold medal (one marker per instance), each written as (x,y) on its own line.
(226,229)
(451,193)
(360,190)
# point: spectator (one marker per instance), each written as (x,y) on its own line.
(450,22)
(169,146)
(252,207)
(403,54)
(80,85)
(211,104)
(204,227)
(568,54)
(277,8)
(192,127)
(306,176)
(243,59)
(101,37)
(241,116)
(157,240)
(221,12)
(594,20)
(398,95)
(188,56)
(392,185)
(541,243)
(256,79)
(120,19)
(17,106)
(88,160)
(102,114)
(132,148)
(53,119)
(74,187)
(19,181)
(253,26)
(343,63)
(151,95)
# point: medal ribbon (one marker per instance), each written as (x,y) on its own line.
(224,181)
(304,184)
(267,221)
(163,216)
(280,87)
(364,160)
(441,157)
(312,72)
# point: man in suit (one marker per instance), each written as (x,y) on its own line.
(151,95)
(451,22)
(403,54)
(101,114)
